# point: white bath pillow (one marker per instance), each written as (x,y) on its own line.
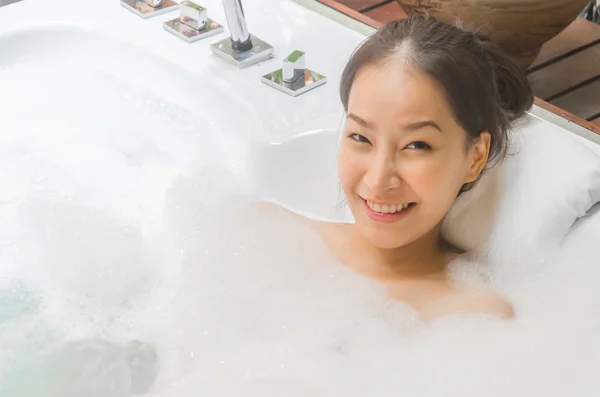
(530,200)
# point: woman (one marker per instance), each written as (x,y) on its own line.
(428,106)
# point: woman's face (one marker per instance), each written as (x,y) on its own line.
(403,158)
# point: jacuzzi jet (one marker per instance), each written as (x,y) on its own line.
(88,367)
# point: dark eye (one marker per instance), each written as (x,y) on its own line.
(418,145)
(358,138)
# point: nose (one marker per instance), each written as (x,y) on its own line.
(382,175)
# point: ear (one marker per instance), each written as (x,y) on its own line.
(479,152)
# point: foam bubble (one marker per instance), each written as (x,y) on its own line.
(126,224)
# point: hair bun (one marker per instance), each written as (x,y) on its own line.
(515,94)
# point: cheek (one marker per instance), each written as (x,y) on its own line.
(434,178)
(349,170)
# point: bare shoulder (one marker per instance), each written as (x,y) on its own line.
(472,301)
(335,235)
(489,302)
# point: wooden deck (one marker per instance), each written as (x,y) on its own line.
(565,77)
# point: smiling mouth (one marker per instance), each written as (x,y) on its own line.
(387,212)
(388,208)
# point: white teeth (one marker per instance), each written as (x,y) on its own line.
(387,208)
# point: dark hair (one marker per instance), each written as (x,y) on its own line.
(485,88)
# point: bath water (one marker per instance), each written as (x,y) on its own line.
(134,262)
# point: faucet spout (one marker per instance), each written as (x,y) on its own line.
(241,48)
(240,37)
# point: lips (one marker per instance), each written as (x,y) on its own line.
(387,208)
(387,212)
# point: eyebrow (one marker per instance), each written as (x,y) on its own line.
(422,124)
(360,121)
(410,127)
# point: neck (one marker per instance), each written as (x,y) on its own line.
(423,258)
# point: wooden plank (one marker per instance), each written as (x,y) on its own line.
(359,5)
(386,13)
(352,13)
(566,73)
(594,127)
(571,117)
(584,102)
(578,33)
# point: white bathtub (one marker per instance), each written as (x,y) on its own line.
(283,147)
(252,117)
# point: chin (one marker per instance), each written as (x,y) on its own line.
(384,239)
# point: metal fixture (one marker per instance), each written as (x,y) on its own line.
(193,23)
(149,8)
(294,78)
(241,48)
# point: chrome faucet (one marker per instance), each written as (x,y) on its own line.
(294,78)
(241,48)
(240,37)
(149,8)
(193,23)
